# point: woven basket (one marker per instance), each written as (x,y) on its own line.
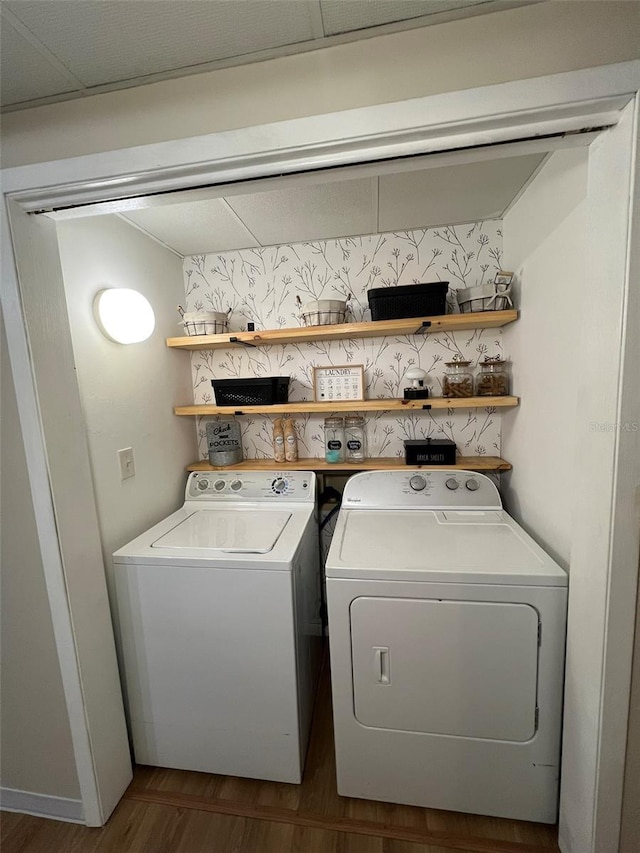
(205,323)
(324,312)
(484,297)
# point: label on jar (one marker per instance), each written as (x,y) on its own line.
(334,444)
(354,444)
(279,440)
(223,435)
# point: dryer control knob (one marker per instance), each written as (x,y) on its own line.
(417,483)
(472,485)
(203,485)
(219,485)
(236,485)
(452,484)
(279,485)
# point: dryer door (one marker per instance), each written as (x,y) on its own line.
(463,668)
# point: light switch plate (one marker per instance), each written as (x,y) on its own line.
(127,467)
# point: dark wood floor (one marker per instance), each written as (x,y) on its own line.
(173,811)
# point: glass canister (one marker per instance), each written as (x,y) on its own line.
(493,379)
(334,439)
(457,380)
(355,438)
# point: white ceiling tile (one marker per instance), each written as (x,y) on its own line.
(106,41)
(309,213)
(25,73)
(452,194)
(342,16)
(194,228)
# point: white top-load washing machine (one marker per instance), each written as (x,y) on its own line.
(217,613)
(447,630)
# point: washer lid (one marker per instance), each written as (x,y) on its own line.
(232,531)
(479,546)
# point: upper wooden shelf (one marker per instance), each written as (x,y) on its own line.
(373,329)
(380,463)
(395,405)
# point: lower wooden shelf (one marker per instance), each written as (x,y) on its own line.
(384,463)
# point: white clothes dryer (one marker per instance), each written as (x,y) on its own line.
(447,631)
(217,615)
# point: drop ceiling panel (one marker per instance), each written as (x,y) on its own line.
(25,73)
(342,16)
(309,213)
(453,194)
(195,228)
(106,41)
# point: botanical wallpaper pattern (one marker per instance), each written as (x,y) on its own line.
(260,286)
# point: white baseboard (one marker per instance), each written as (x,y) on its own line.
(41,805)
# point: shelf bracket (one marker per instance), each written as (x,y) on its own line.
(239,412)
(234,340)
(427,406)
(422,328)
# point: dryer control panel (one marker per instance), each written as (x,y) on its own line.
(271,486)
(421,489)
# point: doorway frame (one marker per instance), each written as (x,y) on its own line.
(493,114)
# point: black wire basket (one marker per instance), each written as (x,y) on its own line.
(264,391)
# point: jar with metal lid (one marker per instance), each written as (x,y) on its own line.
(334,439)
(493,379)
(355,438)
(457,380)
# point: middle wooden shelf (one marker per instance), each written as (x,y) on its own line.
(383,405)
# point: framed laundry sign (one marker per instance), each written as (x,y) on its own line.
(338,382)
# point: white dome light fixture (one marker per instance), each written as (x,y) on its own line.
(124,315)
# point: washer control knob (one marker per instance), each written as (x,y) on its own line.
(473,485)
(203,485)
(219,485)
(279,485)
(452,484)
(236,485)
(417,483)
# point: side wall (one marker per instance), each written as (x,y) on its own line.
(544,243)
(544,38)
(630,832)
(37,752)
(128,391)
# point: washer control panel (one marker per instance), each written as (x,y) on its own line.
(292,486)
(421,489)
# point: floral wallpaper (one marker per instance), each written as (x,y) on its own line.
(260,286)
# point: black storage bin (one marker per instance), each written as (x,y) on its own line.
(251,392)
(408,300)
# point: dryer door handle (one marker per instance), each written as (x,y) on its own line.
(381,668)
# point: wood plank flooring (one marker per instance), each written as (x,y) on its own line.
(172,811)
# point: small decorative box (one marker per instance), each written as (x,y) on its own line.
(430,451)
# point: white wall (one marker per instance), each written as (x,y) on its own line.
(37,753)
(528,42)
(571,258)
(630,831)
(128,391)
(544,243)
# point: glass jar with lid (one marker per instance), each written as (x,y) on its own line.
(354,438)
(493,379)
(458,379)
(334,439)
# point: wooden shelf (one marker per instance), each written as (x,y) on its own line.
(373,329)
(389,405)
(384,463)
